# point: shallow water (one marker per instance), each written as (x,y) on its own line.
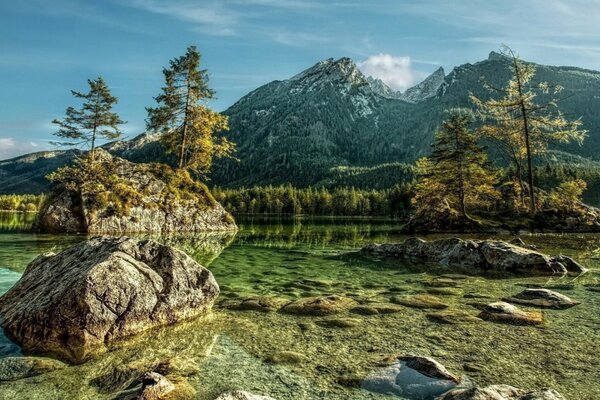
(235,349)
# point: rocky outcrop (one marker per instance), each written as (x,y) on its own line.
(542,298)
(501,392)
(507,313)
(100,290)
(490,255)
(144,199)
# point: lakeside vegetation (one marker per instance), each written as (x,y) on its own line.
(288,200)
(21,202)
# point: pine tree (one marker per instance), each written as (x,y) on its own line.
(455,176)
(94,120)
(524,125)
(189,127)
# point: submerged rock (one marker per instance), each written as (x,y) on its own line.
(453,317)
(412,377)
(241,395)
(155,387)
(255,303)
(147,202)
(72,303)
(287,357)
(542,298)
(495,256)
(14,368)
(428,367)
(504,312)
(319,305)
(420,301)
(339,322)
(501,392)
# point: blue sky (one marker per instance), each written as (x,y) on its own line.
(49,47)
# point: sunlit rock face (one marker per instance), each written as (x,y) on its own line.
(157,209)
(72,303)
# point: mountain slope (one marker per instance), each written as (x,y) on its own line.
(328,122)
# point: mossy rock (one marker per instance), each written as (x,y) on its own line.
(14,368)
(339,323)
(453,317)
(443,291)
(364,310)
(287,357)
(319,305)
(255,303)
(420,301)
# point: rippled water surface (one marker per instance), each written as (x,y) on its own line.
(312,357)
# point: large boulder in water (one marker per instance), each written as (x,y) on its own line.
(133,198)
(490,255)
(71,303)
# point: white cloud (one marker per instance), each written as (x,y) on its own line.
(10,147)
(396,72)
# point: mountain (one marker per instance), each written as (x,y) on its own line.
(433,86)
(332,125)
(303,129)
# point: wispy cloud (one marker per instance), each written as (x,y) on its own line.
(11,147)
(213,18)
(236,18)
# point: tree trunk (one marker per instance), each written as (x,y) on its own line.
(527,141)
(461,183)
(185,123)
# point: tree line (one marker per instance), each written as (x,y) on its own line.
(288,200)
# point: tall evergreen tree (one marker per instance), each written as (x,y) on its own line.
(93,120)
(189,127)
(455,176)
(524,124)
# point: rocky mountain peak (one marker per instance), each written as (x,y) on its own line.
(343,70)
(495,56)
(426,89)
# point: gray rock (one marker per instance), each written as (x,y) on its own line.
(157,209)
(507,313)
(14,368)
(570,264)
(500,392)
(106,288)
(428,367)
(242,395)
(496,256)
(542,298)
(413,378)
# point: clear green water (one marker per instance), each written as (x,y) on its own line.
(234,349)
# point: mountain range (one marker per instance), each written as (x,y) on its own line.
(332,125)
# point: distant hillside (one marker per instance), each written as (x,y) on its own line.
(331,125)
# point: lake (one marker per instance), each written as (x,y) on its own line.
(307,357)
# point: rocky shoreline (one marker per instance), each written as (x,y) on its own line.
(483,255)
